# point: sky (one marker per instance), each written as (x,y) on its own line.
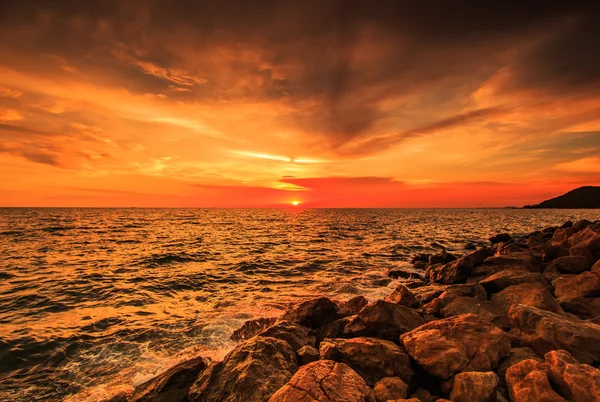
(330,103)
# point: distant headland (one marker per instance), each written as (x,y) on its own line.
(582,197)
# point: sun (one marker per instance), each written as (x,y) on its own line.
(295,203)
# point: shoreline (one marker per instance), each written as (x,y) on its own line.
(474,327)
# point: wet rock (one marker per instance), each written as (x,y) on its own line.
(515,356)
(511,247)
(324,381)
(295,335)
(551,253)
(404,273)
(251,372)
(307,354)
(442,258)
(352,306)
(475,386)
(334,329)
(252,328)
(390,388)
(470,246)
(401,295)
(484,309)
(172,385)
(420,265)
(383,320)
(500,238)
(503,279)
(570,264)
(544,331)
(420,258)
(576,382)
(313,313)
(527,382)
(589,249)
(529,294)
(373,359)
(457,344)
(457,271)
(586,284)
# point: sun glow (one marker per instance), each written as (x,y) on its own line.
(295,203)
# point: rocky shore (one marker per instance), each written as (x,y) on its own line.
(516,320)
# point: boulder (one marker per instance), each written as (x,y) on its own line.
(457,344)
(307,354)
(567,224)
(511,247)
(596,267)
(475,386)
(251,372)
(295,335)
(457,271)
(503,279)
(544,331)
(561,236)
(586,284)
(401,295)
(324,381)
(581,236)
(352,306)
(373,359)
(442,258)
(527,382)
(520,260)
(584,307)
(500,238)
(390,388)
(484,309)
(589,249)
(334,329)
(529,294)
(576,382)
(425,294)
(313,313)
(570,264)
(252,328)
(383,320)
(515,356)
(172,385)
(552,252)
(404,273)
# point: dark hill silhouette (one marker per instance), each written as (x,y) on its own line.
(582,197)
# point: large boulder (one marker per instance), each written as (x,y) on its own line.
(515,356)
(251,372)
(313,313)
(324,381)
(520,260)
(503,279)
(527,382)
(457,271)
(457,344)
(586,284)
(295,335)
(596,267)
(475,386)
(581,236)
(484,309)
(353,305)
(401,295)
(390,389)
(334,329)
(307,354)
(552,252)
(530,294)
(589,248)
(576,382)
(584,307)
(383,320)
(172,385)
(372,358)
(252,328)
(500,238)
(544,331)
(570,264)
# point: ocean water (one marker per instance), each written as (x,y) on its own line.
(93,301)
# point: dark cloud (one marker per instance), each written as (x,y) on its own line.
(334,61)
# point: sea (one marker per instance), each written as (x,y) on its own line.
(97,301)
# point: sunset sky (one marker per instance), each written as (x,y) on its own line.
(330,103)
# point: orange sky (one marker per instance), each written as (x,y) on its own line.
(334,104)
